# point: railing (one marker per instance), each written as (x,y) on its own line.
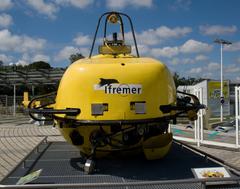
(198,124)
(202,182)
(198,137)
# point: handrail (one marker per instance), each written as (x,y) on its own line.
(141,183)
(98,25)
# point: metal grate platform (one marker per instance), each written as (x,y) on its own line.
(61,163)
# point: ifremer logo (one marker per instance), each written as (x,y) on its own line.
(123,89)
(118,88)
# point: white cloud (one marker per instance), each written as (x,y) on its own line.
(232,69)
(238,60)
(238,78)
(142,49)
(30,44)
(21,63)
(5,58)
(120,4)
(84,51)
(41,57)
(5,4)
(207,75)
(65,53)
(48,9)
(148,37)
(190,46)
(165,52)
(76,3)
(166,32)
(195,70)
(193,46)
(26,57)
(213,66)
(201,58)
(177,61)
(232,47)
(5,20)
(158,35)
(217,29)
(8,41)
(82,39)
(17,43)
(181,4)
(209,71)
(188,61)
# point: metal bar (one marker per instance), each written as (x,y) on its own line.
(198,133)
(197,122)
(14,100)
(221,82)
(6,101)
(95,35)
(117,122)
(237,111)
(122,184)
(33,150)
(238,114)
(195,130)
(201,113)
(185,139)
(33,92)
(23,160)
(133,34)
(71,111)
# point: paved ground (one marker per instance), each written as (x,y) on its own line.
(18,138)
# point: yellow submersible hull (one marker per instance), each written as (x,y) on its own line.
(116,102)
(119,98)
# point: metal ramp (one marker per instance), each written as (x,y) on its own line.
(61,168)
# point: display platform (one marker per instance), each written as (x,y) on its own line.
(61,164)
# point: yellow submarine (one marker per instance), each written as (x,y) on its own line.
(115,102)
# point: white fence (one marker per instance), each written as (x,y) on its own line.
(237,113)
(10,106)
(198,124)
(199,132)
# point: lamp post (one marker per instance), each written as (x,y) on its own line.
(222,42)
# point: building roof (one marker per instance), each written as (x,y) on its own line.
(31,77)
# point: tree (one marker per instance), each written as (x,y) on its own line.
(1,63)
(39,65)
(75,57)
(185,81)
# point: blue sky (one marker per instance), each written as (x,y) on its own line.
(180,33)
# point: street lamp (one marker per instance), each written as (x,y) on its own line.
(222,42)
